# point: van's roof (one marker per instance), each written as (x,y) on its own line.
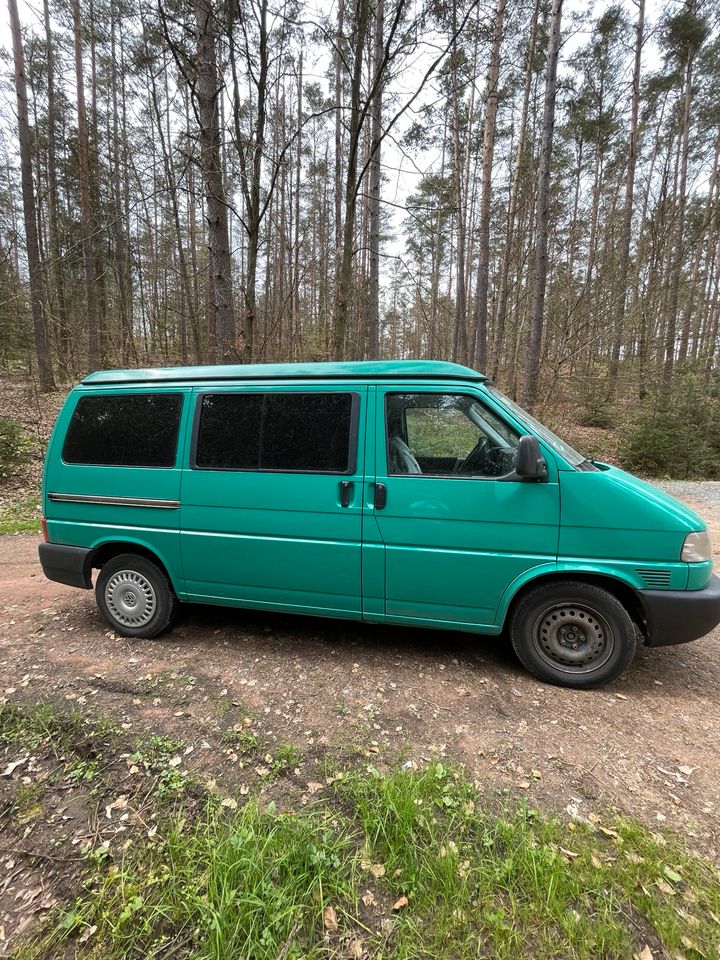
(355,370)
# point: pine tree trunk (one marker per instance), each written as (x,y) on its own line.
(372,344)
(93,339)
(344,281)
(207,91)
(483,276)
(504,283)
(42,348)
(624,250)
(532,363)
(62,331)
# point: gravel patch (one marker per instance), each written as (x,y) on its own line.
(706,491)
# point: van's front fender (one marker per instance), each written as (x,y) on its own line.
(624,573)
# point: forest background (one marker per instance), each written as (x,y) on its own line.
(531,187)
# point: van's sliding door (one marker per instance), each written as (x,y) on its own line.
(272,501)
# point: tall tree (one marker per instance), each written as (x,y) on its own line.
(208,98)
(540,265)
(625,238)
(91,310)
(483,270)
(372,331)
(42,347)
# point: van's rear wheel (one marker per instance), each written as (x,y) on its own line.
(573,634)
(135,597)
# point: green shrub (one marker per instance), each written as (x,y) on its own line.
(676,434)
(16,446)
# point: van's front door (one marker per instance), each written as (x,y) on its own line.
(456,530)
(272,497)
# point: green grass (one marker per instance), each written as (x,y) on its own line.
(21,516)
(480,882)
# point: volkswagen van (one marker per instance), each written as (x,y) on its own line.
(407,492)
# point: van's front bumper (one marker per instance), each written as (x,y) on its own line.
(679,616)
(66,564)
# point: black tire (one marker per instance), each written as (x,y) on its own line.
(135,597)
(573,634)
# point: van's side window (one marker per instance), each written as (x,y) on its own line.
(135,430)
(291,432)
(447,434)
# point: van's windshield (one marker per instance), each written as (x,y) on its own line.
(564,449)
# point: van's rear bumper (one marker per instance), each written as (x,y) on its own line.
(66,564)
(679,616)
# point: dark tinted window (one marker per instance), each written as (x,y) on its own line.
(229,436)
(138,430)
(308,432)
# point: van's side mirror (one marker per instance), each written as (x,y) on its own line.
(531,464)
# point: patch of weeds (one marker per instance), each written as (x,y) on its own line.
(240,739)
(252,884)
(82,771)
(161,757)
(41,725)
(450,877)
(286,758)
(528,884)
(21,516)
(16,446)
(28,802)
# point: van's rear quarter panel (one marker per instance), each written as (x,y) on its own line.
(92,524)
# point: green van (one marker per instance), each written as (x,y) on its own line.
(404,492)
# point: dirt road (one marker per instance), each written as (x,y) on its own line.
(648,745)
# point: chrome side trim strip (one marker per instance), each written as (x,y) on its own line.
(115,501)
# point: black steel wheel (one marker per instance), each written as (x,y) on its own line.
(573,634)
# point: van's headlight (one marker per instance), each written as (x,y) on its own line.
(697,547)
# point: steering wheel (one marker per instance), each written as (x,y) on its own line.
(474,462)
(403,459)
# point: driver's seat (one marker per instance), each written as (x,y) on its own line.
(403,460)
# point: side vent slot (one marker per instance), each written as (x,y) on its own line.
(655,578)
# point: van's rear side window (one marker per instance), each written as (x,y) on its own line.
(136,430)
(283,432)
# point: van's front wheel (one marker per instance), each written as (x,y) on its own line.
(573,634)
(135,597)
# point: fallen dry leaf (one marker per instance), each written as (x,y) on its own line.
(400,903)
(355,949)
(330,919)
(229,802)
(377,870)
(8,771)
(368,898)
(644,954)
(87,933)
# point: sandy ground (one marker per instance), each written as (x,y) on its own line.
(648,744)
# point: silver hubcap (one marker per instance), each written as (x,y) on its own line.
(130,598)
(573,638)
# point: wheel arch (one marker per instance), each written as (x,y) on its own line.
(623,591)
(102,552)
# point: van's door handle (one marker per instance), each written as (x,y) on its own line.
(345,488)
(380,496)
